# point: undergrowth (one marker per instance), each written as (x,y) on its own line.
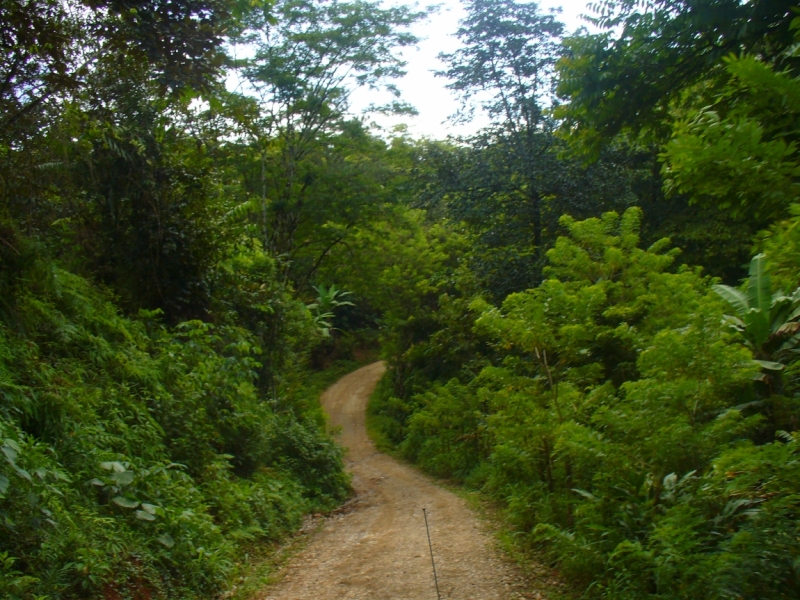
(141,460)
(618,420)
(260,561)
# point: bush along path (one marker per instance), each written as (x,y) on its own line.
(377,547)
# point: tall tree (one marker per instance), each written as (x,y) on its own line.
(509,50)
(693,79)
(511,186)
(303,73)
(92,99)
(49,48)
(649,53)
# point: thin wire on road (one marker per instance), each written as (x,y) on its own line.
(433,564)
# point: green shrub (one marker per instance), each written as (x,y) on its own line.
(618,425)
(137,459)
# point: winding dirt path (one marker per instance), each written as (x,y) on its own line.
(377,548)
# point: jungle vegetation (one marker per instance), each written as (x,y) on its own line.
(590,309)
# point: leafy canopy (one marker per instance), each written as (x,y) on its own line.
(627,77)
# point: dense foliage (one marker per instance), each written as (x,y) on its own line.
(138,457)
(160,307)
(611,410)
(564,298)
(635,418)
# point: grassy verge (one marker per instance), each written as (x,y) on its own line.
(260,564)
(545,582)
(376,423)
(543,579)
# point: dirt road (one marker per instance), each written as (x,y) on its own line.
(378,549)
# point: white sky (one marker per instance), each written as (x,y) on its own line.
(427,93)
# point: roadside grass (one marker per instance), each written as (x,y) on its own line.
(542,577)
(375,423)
(545,581)
(261,564)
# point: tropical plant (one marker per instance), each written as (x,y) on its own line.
(615,419)
(769,322)
(736,144)
(329,298)
(324,307)
(120,436)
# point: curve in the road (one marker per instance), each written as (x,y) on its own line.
(378,549)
